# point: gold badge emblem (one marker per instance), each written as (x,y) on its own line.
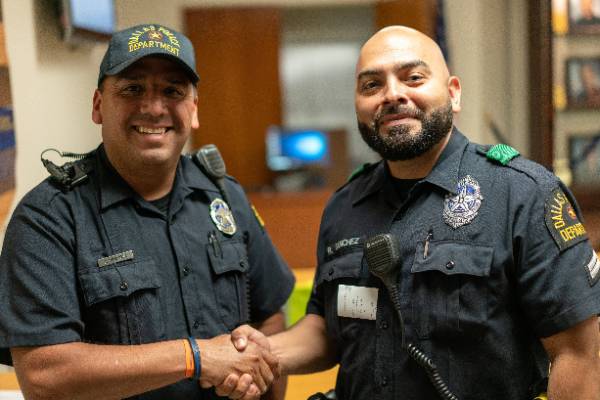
(222,216)
(154,35)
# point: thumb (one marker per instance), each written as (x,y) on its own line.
(239,337)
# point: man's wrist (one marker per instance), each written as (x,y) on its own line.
(197,360)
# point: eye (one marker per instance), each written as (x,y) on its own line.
(132,90)
(415,79)
(369,86)
(174,92)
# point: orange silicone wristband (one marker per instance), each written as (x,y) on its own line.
(189,359)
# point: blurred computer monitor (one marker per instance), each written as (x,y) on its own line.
(296,149)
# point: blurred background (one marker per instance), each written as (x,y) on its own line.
(277,84)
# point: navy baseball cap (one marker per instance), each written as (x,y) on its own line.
(131,44)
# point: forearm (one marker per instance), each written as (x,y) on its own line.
(88,371)
(574,378)
(304,348)
(271,326)
(575,365)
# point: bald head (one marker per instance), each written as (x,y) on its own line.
(402,44)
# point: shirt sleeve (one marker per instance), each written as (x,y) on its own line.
(557,269)
(271,281)
(38,283)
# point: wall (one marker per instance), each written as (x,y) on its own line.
(487,41)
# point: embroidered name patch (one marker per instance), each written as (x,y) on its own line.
(342,244)
(115,258)
(593,269)
(357,302)
(562,221)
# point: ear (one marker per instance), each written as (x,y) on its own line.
(454,90)
(195,122)
(96,107)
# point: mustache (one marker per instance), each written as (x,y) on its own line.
(410,112)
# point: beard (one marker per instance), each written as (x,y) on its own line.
(400,143)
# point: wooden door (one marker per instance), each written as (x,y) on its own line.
(419,15)
(237,52)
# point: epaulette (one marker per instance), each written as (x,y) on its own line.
(510,157)
(501,153)
(359,171)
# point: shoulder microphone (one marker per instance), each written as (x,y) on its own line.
(210,160)
(382,253)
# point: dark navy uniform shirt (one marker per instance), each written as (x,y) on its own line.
(100,264)
(492,258)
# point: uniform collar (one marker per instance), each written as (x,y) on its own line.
(374,184)
(444,173)
(114,189)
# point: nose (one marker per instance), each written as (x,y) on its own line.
(395,92)
(153,104)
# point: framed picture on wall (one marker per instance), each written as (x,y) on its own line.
(584,16)
(584,159)
(583,82)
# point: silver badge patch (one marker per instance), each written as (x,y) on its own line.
(222,216)
(462,208)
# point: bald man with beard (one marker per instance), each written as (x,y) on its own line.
(495,277)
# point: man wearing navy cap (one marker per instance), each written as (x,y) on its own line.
(113,286)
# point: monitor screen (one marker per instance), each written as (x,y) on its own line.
(88,19)
(294,149)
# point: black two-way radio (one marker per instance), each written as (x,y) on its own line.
(209,159)
(382,254)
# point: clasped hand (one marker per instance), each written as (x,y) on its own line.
(242,371)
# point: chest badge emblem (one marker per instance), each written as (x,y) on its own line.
(462,208)
(222,216)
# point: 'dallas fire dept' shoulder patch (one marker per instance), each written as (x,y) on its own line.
(562,221)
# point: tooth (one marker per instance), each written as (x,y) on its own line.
(143,129)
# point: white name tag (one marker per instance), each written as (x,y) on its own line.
(357,302)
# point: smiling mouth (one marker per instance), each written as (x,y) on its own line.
(145,130)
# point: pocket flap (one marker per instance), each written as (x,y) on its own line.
(227,256)
(452,258)
(119,280)
(345,266)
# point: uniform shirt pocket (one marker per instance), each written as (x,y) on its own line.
(345,269)
(229,263)
(123,303)
(450,290)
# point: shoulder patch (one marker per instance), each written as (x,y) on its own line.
(359,171)
(562,221)
(502,153)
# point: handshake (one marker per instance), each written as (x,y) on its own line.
(239,366)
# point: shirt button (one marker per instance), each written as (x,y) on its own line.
(196,324)
(124,286)
(330,272)
(450,265)
(384,381)
(384,325)
(186,270)
(243,264)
